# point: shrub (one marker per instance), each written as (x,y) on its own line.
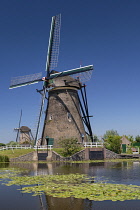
(4,158)
(129,150)
(70,146)
(12,143)
(113,143)
(2,144)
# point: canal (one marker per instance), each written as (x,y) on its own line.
(123,172)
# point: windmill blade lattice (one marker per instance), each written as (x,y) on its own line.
(54,41)
(83,76)
(25,80)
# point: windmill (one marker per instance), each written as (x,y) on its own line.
(66,112)
(24,134)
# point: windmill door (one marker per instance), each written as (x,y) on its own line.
(123,148)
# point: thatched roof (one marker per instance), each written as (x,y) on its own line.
(24,129)
(125,141)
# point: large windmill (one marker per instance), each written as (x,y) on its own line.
(66,112)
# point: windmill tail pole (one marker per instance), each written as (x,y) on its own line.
(19,126)
(40,114)
(85,112)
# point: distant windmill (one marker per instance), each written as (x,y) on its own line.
(24,134)
(66,111)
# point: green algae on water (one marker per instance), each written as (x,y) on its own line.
(71,185)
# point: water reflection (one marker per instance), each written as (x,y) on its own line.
(125,172)
(65,203)
(4,165)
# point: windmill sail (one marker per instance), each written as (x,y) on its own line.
(54,41)
(52,57)
(25,80)
(35,78)
(72,71)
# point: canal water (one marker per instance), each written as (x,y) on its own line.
(11,198)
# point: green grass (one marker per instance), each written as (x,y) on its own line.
(16,152)
(60,151)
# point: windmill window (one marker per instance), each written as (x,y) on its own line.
(69,117)
(50,117)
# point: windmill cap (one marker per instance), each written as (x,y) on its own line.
(24,129)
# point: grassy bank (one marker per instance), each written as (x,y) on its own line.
(15,152)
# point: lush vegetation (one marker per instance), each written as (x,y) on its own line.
(4,158)
(113,143)
(12,143)
(69,146)
(71,185)
(137,139)
(2,144)
(110,133)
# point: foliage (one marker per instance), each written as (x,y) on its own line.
(4,158)
(110,133)
(70,146)
(129,150)
(32,142)
(113,143)
(25,142)
(2,144)
(95,138)
(137,138)
(72,185)
(12,143)
(136,144)
(88,138)
(16,152)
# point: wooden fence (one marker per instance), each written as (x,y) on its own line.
(85,144)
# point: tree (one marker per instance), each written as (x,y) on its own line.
(110,133)
(95,138)
(12,143)
(113,143)
(137,138)
(2,144)
(70,146)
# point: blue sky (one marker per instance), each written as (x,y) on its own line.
(103,33)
